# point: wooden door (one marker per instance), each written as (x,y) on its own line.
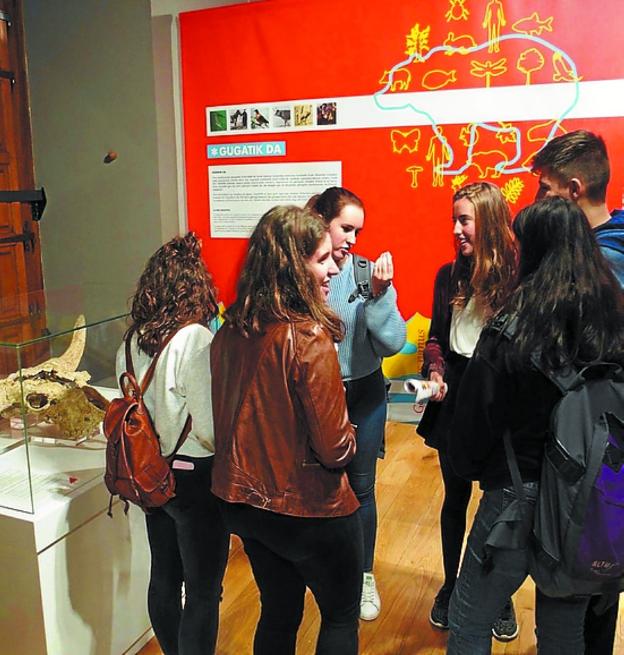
(22,302)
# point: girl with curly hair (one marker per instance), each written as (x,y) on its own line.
(283,436)
(467,292)
(175,298)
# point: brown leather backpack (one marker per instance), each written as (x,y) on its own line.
(136,471)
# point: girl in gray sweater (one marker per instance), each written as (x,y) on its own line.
(374,329)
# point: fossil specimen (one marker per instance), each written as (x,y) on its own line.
(56,392)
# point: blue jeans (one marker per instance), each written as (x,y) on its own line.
(367,405)
(288,554)
(488,578)
(189,544)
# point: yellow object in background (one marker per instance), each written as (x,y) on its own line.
(409,360)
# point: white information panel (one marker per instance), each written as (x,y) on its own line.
(241,194)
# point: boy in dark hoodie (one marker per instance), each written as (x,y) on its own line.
(576,166)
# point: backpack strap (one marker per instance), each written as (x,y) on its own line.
(149,374)
(362,275)
(565,379)
(571,378)
(182,438)
(512,463)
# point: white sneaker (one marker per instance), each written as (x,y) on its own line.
(370,603)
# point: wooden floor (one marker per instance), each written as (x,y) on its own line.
(407,568)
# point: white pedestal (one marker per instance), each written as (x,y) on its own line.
(74,581)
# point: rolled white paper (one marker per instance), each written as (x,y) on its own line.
(423,389)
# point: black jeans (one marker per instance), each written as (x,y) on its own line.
(290,553)
(189,544)
(600,625)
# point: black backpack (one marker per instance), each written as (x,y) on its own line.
(577,545)
(362,275)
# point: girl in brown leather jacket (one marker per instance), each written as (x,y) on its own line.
(283,437)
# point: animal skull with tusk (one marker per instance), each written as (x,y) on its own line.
(56,392)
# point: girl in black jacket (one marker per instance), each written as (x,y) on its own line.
(569,308)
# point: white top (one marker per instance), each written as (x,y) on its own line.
(181,385)
(466,325)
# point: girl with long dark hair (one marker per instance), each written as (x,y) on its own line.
(467,292)
(568,310)
(187,537)
(283,436)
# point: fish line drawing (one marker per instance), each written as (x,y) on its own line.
(533,25)
(438,78)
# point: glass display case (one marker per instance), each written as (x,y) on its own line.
(57,376)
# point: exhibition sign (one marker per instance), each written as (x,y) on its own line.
(407,102)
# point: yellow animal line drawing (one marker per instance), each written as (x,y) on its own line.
(438,79)
(493,20)
(456,11)
(405,140)
(417,41)
(506,134)
(540,133)
(563,72)
(489,163)
(532,25)
(401,79)
(465,134)
(458,181)
(530,61)
(512,190)
(438,153)
(460,43)
(470,134)
(413,171)
(488,69)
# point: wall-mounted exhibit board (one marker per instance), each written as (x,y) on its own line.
(402,102)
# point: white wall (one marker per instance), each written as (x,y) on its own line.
(92,90)
(166,48)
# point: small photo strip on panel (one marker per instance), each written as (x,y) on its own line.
(238,118)
(260,118)
(304,115)
(326,113)
(218,120)
(282,116)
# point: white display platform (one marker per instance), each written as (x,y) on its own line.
(74,581)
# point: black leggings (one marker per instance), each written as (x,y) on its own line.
(189,545)
(452,519)
(290,553)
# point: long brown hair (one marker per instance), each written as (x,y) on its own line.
(489,275)
(174,289)
(275,284)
